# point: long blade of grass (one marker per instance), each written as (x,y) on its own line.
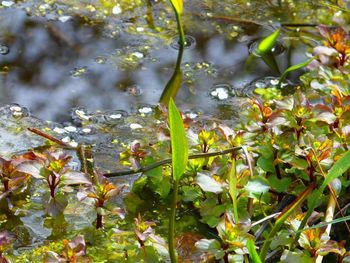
(178,141)
(340,167)
(282,218)
(252,251)
(294,68)
(233,189)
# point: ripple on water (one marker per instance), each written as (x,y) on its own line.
(277,49)
(190,42)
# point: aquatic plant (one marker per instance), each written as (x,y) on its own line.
(179,150)
(51,166)
(178,9)
(101,192)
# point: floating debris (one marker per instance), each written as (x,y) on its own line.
(134,90)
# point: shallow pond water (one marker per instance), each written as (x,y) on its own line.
(57,55)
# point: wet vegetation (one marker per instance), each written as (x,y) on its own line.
(256,170)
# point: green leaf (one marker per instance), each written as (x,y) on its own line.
(340,167)
(208,184)
(190,193)
(252,251)
(268,43)
(294,68)
(257,186)
(280,185)
(177,5)
(178,141)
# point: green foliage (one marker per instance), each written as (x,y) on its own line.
(178,141)
(252,251)
(177,5)
(267,44)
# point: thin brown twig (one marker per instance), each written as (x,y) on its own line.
(168,161)
(50,138)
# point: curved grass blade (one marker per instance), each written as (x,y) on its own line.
(268,43)
(252,251)
(178,141)
(282,218)
(294,68)
(340,167)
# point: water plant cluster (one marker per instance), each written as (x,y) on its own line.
(272,188)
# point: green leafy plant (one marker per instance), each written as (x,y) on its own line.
(179,161)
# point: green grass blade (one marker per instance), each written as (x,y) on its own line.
(178,141)
(340,167)
(252,251)
(283,217)
(294,68)
(177,5)
(233,189)
(268,43)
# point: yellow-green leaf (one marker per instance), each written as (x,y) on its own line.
(179,143)
(268,43)
(177,5)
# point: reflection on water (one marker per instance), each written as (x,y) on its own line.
(52,64)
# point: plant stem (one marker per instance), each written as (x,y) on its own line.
(233,189)
(182,40)
(168,161)
(171,234)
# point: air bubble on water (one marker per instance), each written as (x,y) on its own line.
(135,126)
(4,50)
(115,116)
(77,72)
(86,130)
(18,111)
(59,130)
(100,60)
(7,3)
(274,82)
(140,29)
(64,19)
(221,91)
(70,129)
(277,49)
(145,110)
(137,54)
(116,10)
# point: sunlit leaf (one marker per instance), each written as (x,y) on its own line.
(257,186)
(178,141)
(208,184)
(72,178)
(178,6)
(268,43)
(294,68)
